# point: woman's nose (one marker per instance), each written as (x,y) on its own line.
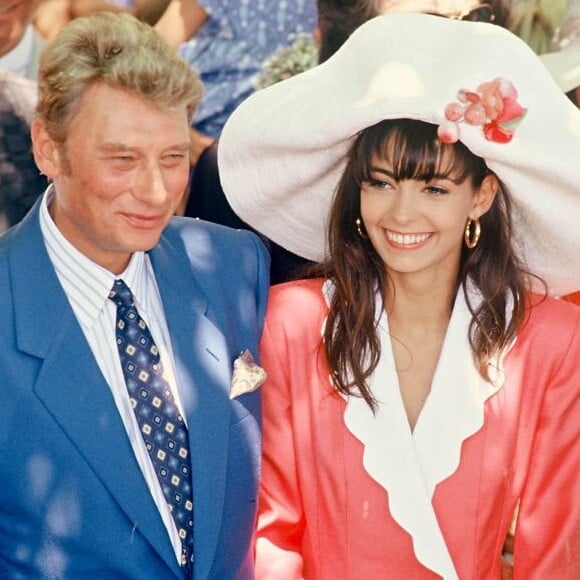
(404,205)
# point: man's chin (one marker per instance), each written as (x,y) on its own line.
(142,242)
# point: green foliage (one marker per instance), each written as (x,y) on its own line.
(287,62)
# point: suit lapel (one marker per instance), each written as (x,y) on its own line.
(202,366)
(48,329)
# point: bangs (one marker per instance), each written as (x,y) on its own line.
(413,151)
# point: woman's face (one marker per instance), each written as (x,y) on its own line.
(417,227)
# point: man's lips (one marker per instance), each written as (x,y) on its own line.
(144,220)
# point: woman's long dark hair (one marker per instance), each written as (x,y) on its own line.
(351,340)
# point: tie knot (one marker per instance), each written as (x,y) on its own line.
(120,294)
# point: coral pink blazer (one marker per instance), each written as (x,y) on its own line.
(346,494)
(574,298)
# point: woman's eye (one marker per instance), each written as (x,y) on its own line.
(434,190)
(379,184)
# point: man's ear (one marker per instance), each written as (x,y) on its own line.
(47,154)
(484,196)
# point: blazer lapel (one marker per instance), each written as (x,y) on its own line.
(410,465)
(72,388)
(391,459)
(203,373)
(390,456)
(455,407)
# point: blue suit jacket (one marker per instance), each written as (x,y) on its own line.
(73,502)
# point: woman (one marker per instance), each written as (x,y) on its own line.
(419,392)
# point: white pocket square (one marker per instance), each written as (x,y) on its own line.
(247,375)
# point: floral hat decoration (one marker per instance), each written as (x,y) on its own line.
(282,152)
(493,106)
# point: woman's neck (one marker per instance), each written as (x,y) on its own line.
(415,303)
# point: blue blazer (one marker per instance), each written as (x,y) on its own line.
(73,501)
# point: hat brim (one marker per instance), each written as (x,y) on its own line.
(283,150)
(564,66)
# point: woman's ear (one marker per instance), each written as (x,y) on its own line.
(45,150)
(484,196)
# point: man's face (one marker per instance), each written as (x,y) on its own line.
(15,15)
(119,176)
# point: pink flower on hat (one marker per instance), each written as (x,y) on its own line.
(493,105)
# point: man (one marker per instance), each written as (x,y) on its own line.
(130,425)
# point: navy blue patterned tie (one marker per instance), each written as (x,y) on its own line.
(160,421)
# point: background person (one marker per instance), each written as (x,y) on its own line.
(20,44)
(535,21)
(563,59)
(227,43)
(20,179)
(337,19)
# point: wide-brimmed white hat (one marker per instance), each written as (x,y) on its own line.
(564,66)
(283,150)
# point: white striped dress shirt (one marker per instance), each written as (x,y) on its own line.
(87,286)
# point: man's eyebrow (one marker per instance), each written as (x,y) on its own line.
(115,146)
(118,146)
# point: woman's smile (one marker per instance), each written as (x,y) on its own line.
(414,240)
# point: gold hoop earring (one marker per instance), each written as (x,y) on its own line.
(358,224)
(472,239)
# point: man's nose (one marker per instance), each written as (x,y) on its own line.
(151,187)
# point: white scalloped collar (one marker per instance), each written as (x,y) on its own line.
(409,465)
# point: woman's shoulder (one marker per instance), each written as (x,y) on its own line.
(573,298)
(542,307)
(551,321)
(304,293)
(299,301)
